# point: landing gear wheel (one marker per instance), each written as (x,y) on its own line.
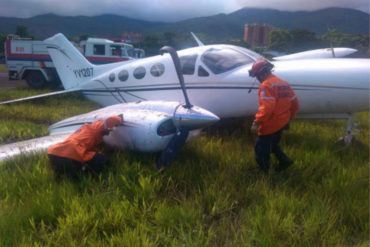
(35,80)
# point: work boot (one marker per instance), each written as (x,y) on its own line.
(283,164)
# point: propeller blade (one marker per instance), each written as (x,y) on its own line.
(176,61)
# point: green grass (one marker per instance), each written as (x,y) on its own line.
(212,195)
(3,68)
(27,120)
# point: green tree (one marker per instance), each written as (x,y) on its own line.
(83,37)
(169,38)
(332,37)
(2,41)
(303,40)
(22,31)
(280,40)
(151,44)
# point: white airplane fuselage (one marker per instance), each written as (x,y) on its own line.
(321,85)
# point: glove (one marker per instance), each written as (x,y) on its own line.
(254,128)
(121,116)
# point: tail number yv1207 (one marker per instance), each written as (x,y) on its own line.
(83,73)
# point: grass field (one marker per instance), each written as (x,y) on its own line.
(211,196)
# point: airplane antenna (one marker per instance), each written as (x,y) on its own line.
(176,61)
(200,43)
(331,41)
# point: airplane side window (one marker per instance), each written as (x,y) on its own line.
(202,72)
(157,70)
(188,64)
(123,75)
(99,50)
(223,60)
(112,77)
(139,72)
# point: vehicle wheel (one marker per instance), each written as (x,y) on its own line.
(35,79)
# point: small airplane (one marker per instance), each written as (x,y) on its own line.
(217,83)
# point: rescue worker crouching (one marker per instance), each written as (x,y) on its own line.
(79,152)
(278,104)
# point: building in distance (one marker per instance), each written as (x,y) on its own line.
(257,35)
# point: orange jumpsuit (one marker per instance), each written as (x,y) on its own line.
(82,145)
(277,105)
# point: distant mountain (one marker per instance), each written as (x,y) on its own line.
(216,27)
(346,20)
(103,25)
(231,26)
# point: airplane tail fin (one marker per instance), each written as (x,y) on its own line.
(72,67)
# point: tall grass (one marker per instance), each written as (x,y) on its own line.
(31,119)
(212,195)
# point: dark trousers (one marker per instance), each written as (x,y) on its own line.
(74,168)
(173,147)
(266,144)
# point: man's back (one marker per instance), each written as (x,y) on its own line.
(277,105)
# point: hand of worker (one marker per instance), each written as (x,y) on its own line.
(112,122)
(254,128)
(121,116)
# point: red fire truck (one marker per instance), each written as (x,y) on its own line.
(29,59)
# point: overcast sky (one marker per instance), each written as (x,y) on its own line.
(162,10)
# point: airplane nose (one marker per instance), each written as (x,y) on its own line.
(194,118)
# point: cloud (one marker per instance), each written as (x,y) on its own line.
(161,10)
(158,10)
(307,5)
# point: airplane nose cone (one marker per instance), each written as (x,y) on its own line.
(194,118)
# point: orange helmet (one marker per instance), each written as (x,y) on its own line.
(259,66)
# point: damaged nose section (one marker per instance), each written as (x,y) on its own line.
(194,118)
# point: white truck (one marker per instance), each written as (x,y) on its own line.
(29,59)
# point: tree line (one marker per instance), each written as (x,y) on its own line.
(300,40)
(287,41)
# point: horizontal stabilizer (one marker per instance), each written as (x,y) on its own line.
(40,96)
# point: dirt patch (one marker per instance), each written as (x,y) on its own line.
(5,83)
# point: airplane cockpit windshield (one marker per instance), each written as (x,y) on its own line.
(250,53)
(222,60)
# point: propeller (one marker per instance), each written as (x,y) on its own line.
(185,117)
(176,61)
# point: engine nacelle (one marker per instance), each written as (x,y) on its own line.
(148,126)
(145,131)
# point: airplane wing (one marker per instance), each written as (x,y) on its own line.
(40,96)
(148,126)
(318,53)
(30,146)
